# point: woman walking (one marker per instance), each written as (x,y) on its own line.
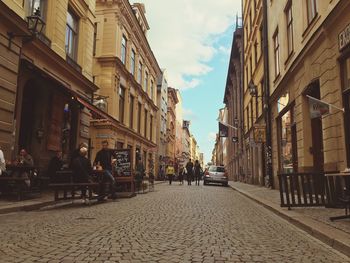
(197,172)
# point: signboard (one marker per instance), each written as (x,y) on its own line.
(123,163)
(223,130)
(317,108)
(259,133)
(235,139)
(344,38)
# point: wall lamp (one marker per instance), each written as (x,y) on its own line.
(35,26)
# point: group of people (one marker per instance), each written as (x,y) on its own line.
(192,172)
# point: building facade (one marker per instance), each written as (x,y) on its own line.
(253,92)
(233,100)
(46,86)
(171,125)
(309,56)
(162,102)
(127,74)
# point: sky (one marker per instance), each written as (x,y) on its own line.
(192,39)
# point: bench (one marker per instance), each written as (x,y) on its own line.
(18,186)
(67,191)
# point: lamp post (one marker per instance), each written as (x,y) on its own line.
(35,26)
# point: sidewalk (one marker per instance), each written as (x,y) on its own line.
(314,220)
(37,202)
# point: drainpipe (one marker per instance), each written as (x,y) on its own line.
(268,146)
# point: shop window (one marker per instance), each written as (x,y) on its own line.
(287,141)
(346,101)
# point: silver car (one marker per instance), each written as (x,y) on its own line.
(216,174)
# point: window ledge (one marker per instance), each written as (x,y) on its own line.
(73,63)
(277,78)
(290,56)
(310,26)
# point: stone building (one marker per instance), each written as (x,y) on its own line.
(233,100)
(162,102)
(127,73)
(253,92)
(46,79)
(309,55)
(171,122)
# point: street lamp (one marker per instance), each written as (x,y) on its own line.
(35,26)
(253,90)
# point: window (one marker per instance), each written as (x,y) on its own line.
(33,5)
(311,10)
(289,17)
(132,62)
(121,103)
(72,35)
(151,128)
(123,53)
(146,121)
(286,142)
(95,37)
(145,85)
(139,73)
(152,90)
(261,41)
(131,112)
(276,53)
(139,108)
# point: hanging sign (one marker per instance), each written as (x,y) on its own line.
(223,130)
(317,108)
(259,133)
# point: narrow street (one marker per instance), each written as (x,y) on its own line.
(173,224)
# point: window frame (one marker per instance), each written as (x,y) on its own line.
(139,73)
(311,10)
(75,35)
(124,49)
(121,103)
(276,53)
(289,22)
(132,62)
(131,111)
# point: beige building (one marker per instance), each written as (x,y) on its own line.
(127,74)
(253,91)
(171,125)
(309,55)
(46,79)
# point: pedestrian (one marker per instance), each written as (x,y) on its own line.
(2,162)
(189,168)
(181,175)
(104,159)
(76,153)
(82,170)
(170,171)
(197,172)
(139,172)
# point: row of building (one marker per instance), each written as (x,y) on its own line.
(74,71)
(283,53)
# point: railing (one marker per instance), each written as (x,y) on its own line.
(304,189)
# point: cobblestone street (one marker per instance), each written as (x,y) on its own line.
(173,224)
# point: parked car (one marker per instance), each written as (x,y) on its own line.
(216,174)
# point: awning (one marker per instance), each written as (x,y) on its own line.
(96,112)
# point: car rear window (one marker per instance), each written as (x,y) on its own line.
(217,169)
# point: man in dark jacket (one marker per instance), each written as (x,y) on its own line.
(189,168)
(82,170)
(104,159)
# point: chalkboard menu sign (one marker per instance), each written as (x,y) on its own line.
(122,165)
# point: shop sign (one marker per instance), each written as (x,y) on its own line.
(103,136)
(259,133)
(344,38)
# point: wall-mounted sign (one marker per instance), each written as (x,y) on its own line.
(344,38)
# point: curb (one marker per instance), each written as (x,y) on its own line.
(331,236)
(27,208)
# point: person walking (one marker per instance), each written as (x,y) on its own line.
(170,171)
(197,172)
(189,168)
(104,159)
(181,175)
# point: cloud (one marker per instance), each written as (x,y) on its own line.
(183,33)
(212,136)
(188,114)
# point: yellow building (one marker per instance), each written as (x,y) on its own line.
(46,76)
(126,72)
(309,54)
(171,125)
(253,91)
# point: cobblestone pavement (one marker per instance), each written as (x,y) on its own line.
(173,224)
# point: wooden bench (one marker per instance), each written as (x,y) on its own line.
(67,191)
(18,186)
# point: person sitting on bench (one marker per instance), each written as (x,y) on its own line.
(55,165)
(24,159)
(82,170)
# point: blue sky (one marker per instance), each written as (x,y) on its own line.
(191,39)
